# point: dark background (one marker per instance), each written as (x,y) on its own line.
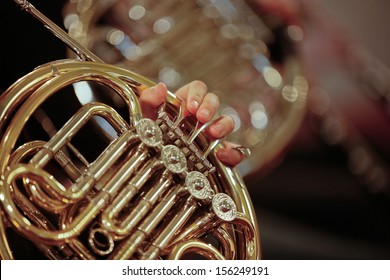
(311,206)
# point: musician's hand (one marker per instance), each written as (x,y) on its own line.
(202,104)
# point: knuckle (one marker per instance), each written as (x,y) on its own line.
(230,123)
(199,85)
(213,99)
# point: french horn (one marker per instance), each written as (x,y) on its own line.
(246,56)
(150,189)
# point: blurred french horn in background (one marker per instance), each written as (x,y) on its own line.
(94,181)
(247,58)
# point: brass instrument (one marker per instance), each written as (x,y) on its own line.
(247,58)
(155,189)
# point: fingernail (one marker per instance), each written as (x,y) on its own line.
(218,129)
(195,104)
(204,113)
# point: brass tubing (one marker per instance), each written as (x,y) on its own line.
(98,168)
(163,239)
(249,236)
(235,187)
(200,225)
(204,249)
(77,154)
(29,208)
(72,230)
(143,206)
(98,246)
(18,92)
(44,201)
(25,150)
(87,181)
(67,165)
(80,50)
(126,170)
(46,90)
(82,252)
(109,215)
(74,124)
(128,247)
(238,71)
(226,241)
(38,195)
(21,91)
(106,175)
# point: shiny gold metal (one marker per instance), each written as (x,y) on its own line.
(227,44)
(246,152)
(155,191)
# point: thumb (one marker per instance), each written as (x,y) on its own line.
(151,99)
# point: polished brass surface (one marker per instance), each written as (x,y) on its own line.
(155,191)
(245,57)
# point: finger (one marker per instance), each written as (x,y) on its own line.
(193,94)
(222,127)
(229,155)
(208,108)
(151,99)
